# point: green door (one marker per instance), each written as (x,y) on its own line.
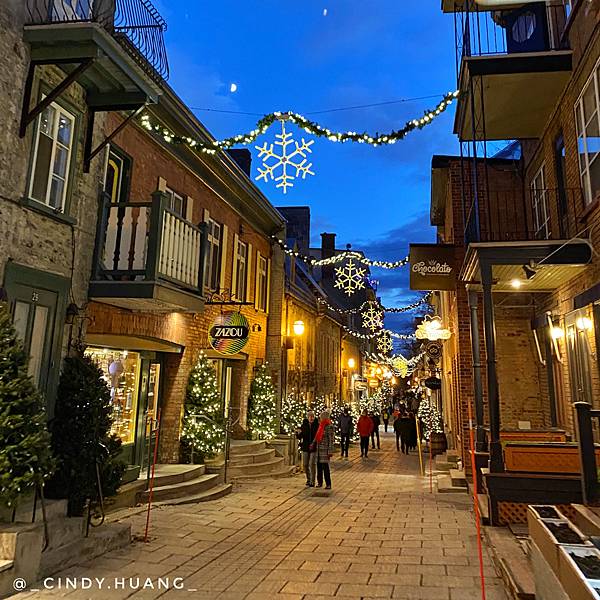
(147,411)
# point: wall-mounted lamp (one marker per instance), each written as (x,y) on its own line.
(529,271)
(557,332)
(351,363)
(298,328)
(584,324)
(516,283)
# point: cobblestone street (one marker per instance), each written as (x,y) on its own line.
(381,534)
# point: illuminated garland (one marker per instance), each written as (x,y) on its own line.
(371,336)
(399,309)
(378,139)
(340,257)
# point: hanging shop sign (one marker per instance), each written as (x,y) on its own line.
(229,333)
(360,385)
(433,350)
(432,267)
(433,383)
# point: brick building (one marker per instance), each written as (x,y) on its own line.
(523,222)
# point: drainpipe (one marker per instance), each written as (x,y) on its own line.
(489,327)
(477,387)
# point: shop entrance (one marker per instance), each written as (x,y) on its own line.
(134,379)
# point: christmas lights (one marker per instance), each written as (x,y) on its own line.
(350,278)
(354,311)
(262,410)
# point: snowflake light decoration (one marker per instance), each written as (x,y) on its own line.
(284,160)
(400,364)
(372,317)
(350,278)
(385,344)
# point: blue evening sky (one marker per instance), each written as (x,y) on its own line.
(286,55)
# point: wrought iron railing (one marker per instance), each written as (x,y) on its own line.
(534,28)
(522,215)
(135,24)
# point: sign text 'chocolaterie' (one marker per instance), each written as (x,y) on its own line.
(432,267)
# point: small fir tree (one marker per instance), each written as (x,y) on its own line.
(430,417)
(203,421)
(262,410)
(293,412)
(81,436)
(25,457)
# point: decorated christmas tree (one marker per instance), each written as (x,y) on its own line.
(262,409)
(25,456)
(430,417)
(81,436)
(293,412)
(203,431)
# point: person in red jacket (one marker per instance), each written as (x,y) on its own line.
(364,428)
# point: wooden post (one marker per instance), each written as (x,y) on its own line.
(157,215)
(587,455)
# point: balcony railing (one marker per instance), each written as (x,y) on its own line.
(135,24)
(146,241)
(533,28)
(517,215)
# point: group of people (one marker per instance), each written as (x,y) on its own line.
(317,438)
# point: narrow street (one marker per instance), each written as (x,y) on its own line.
(381,534)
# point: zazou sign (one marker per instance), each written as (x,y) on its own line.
(432,267)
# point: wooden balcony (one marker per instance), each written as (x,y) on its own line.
(147,258)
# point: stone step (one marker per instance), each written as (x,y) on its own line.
(255,457)
(184,488)
(444,485)
(255,468)
(5,565)
(109,536)
(441,464)
(452,456)
(238,447)
(214,493)
(171,474)
(63,531)
(458,478)
(285,472)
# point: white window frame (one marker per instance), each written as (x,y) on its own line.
(212,242)
(241,258)
(262,282)
(582,139)
(539,200)
(59,110)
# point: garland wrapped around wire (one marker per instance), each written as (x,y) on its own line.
(395,309)
(389,360)
(378,334)
(340,257)
(378,139)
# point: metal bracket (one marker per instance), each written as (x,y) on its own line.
(27,116)
(224,298)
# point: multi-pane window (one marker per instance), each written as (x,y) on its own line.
(176,202)
(587,116)
(241,271)
(52,157)
(212,273)
(539,199)
(262,282)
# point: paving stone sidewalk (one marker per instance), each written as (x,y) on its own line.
(381,534)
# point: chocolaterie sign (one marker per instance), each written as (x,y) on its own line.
(432,267)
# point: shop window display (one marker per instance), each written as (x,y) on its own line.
(122,374)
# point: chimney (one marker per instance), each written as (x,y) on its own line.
(243,158)
(327,251)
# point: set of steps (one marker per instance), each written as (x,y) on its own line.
(447,461)
(452,478)
(251,461)
(184,484)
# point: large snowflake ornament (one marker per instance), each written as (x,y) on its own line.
(385,344)
(372,317)
(350,278)
(400,364)
(286,160)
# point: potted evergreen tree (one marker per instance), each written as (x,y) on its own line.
(262,408)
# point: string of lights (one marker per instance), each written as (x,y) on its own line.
(397,309)
(263,124)
(340,257)
(379,334)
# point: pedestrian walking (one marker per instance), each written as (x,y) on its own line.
(375,433)
(325,441)
(345,427)
(386,418)
(365,428)
(412,438)
(306,434)
(402,428)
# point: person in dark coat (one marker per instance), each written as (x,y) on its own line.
(306,434)
(345,427)
(375,433)
(412,439)
(365,429)
(402,428)
(325,443)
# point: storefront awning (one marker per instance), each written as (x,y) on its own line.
(535,266)
(131,342)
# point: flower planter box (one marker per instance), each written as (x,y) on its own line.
(573,579)
(546,533)
(543,457)
(545,511)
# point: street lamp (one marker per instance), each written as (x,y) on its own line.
(351,363)
(298,328)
